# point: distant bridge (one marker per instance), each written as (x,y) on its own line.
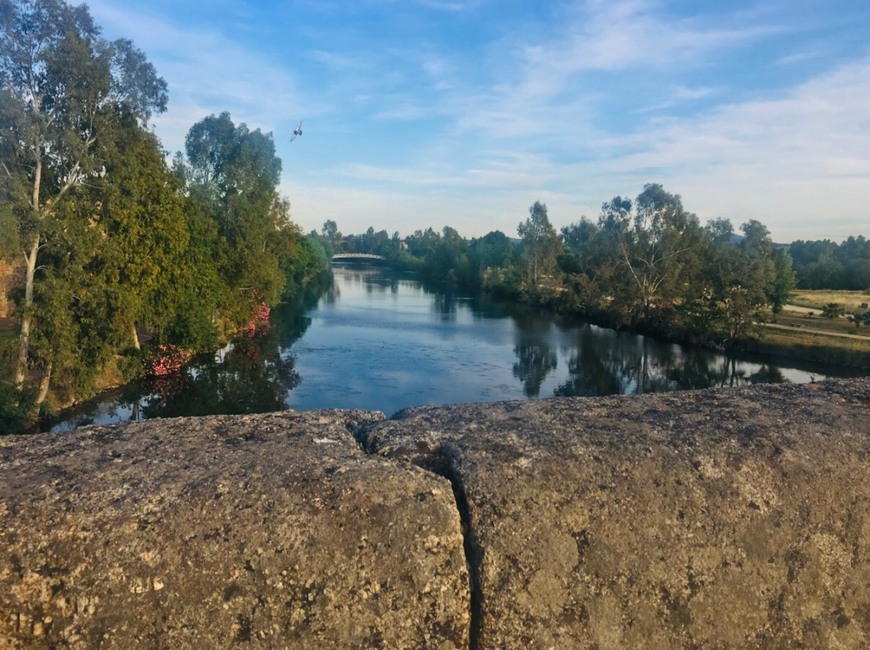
(356,256)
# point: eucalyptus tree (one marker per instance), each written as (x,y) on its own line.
(658,245)
(61,86)
(591,260)
(769,277)
(540,243)
(740,277)
(491,257)
(331,237)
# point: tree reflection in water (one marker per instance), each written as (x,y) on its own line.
(385,341)
(248,376)
(534,362)
(605,362)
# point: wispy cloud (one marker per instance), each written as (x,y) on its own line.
(207,72)
(567,102)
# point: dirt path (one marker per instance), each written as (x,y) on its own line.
(844,335)
(801,310)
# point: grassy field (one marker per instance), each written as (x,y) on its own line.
(817,322)
(813,346)
(851,300)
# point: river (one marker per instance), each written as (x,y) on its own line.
(373,339)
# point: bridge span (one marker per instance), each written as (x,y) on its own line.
(338,257)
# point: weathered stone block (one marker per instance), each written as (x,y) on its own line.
(269,530)
(710,519)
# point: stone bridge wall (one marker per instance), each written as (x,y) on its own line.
(711,519)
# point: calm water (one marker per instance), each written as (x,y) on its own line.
(372,339)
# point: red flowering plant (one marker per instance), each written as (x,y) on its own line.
(163,366)
(259,323)
(167,359)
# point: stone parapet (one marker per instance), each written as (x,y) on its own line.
(263,531)
(710,519)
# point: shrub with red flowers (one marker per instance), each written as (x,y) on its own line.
(167,359)
(259,323)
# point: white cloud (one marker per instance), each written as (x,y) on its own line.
(550,111)
(207,72)
(787,161)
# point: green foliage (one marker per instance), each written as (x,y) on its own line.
(131,364)
(231,176)
(861,318)
(330,238)
(9,242)
(824,264)
(115,241)
(17,409)
(64,92)
(833,310)
(540,245)
(646,264)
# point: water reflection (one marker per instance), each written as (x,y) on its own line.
(534,362)
(606,362)
(377,340)
(445,305)
(247,376)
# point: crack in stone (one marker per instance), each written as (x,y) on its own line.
(442,461)
(442,464)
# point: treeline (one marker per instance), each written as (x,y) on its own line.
(115,241)
(647,264)
(823,264)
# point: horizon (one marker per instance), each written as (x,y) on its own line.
(463,113)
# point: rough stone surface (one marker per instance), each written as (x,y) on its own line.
(265,531)
(712,519)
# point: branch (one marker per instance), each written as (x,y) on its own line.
(630,267)
(71,180)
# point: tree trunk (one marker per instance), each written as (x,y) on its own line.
(27,316)
(44,384)
(135,335)
(29,276)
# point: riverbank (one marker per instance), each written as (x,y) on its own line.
(811,347)
(379,340)
(800,332)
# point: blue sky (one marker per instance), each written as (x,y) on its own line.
(422,113)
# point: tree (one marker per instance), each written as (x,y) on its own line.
(534,362)
(825,265)
(580,240)
(145,232)
(492,251)
(541,245)
(591,259)
(738,279)
(232,175)
(833,310)
(783,282)
(660,246)
(61,89)
(331,234)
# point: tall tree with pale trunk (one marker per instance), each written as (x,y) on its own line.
(62,89)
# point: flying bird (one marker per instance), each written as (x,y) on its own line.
(296,131)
